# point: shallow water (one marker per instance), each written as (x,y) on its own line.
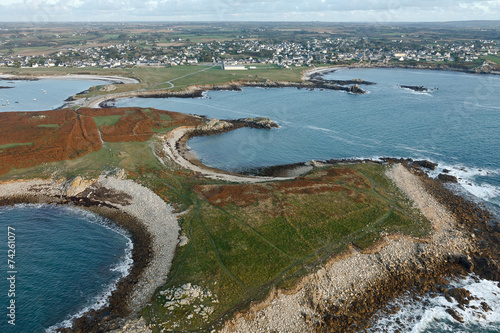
(67,261)
(44,94)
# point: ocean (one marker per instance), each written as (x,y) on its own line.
(455,124)
(66,262)
(44,94)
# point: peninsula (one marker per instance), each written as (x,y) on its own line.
(180,211)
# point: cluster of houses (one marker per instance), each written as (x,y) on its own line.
(244,52)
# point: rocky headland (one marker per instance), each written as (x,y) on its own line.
(197,91)
(345,294)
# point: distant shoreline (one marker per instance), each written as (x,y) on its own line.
(111,78)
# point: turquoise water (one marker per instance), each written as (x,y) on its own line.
(67,261)
(44,94)
(456,124)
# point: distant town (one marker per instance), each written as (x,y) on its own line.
(299,49)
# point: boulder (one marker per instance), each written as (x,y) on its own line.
(447,178)
(426,164)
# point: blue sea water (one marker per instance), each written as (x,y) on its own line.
(44,94)
(67,261)
(456,124)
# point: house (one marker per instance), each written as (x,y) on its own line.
(233,67)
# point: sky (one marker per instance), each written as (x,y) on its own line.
(39,11)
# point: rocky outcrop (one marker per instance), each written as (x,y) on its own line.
(76,186)
(216,126)
(426,164)
(447,178)
(415,88)
(354,89)
(318,77)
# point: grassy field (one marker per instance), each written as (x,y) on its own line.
(48,125)
(246,239)
(494,59)
(107,120)
(180,76)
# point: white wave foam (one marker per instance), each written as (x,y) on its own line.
(102,299)
(321,129)
(426,152)
(429,314)
(477,105)
(467,179)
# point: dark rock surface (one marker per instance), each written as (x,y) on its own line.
(447,178)
(415,88)
(426,164)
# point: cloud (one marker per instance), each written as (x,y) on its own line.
(249,10)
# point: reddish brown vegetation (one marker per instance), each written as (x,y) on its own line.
(76,135)
(343,176)
(240,195)
(319,182)
(136,124)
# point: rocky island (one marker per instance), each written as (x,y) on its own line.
(415,88)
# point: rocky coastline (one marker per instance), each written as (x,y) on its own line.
(197,91)
(428,273)
(422,265)
(488,69)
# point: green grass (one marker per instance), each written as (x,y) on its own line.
(181,76)
(48,125)
(494,59)
(248,250)
(11,145)
(107,120)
